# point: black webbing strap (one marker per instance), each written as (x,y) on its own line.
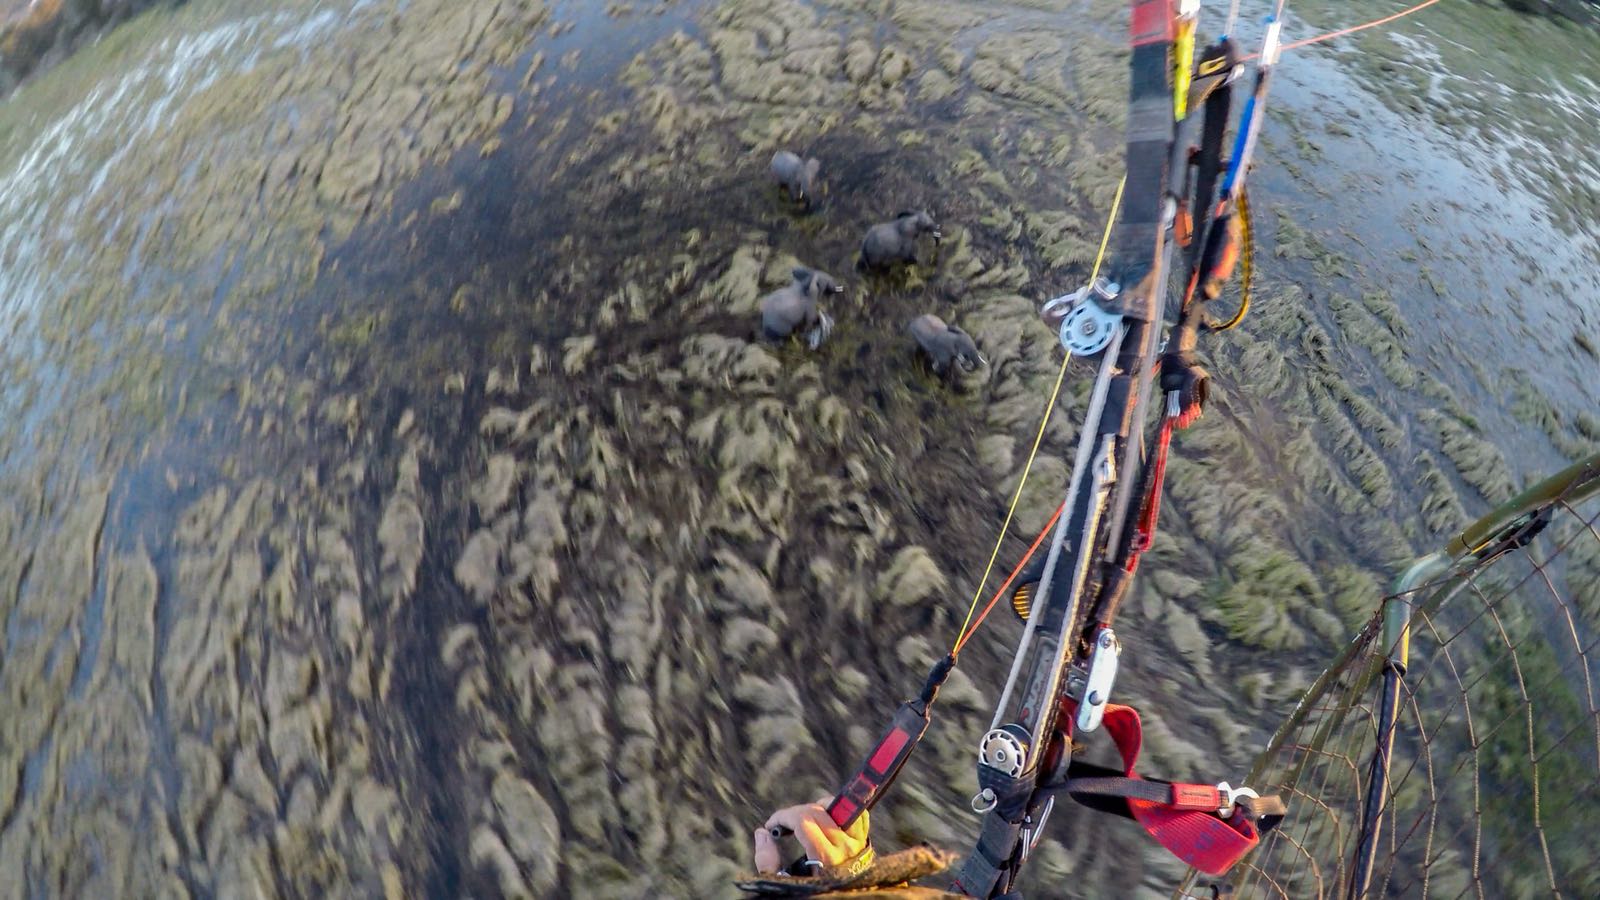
(1216,65)
(1108,790)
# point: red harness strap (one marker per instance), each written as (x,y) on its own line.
(1150,510)
(1185,820)
(1145,533)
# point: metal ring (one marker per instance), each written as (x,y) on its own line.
(984,800)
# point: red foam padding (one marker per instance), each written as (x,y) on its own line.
(883,757)
(841,810)
(1151,22)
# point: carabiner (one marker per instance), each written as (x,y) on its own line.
(1231,797)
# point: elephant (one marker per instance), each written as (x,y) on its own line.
(890,242)
(792,310)
(795,176)
(945,344)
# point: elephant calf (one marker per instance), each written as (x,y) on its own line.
(795,176)
(945,344)
(793,309)
(890,242)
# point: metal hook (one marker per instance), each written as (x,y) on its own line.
(1231,797)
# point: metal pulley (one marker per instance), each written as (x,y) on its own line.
(1085,328)
(1002,758)
(1004,750)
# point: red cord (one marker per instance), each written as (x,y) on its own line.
(1305,42)
(1142,540)
(962,641)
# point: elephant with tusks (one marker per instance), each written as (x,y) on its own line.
(893,242)
(796,176)
(945,344)
(792,310)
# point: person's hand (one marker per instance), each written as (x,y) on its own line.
(824,842)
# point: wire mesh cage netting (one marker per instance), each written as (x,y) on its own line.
(1453,749)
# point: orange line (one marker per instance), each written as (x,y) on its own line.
(1292,45)
(1009,578)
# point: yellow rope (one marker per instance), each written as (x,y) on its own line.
(1038,439)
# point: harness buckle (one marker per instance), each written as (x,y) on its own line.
(1231,797)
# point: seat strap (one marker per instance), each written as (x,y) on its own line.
(1210,827)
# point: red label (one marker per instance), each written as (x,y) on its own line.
(1196,796)
(1151,22)
(841,810)
(883,757)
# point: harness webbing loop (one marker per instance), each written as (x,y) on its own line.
(1145,532)
(1150,511)
(1186,819)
